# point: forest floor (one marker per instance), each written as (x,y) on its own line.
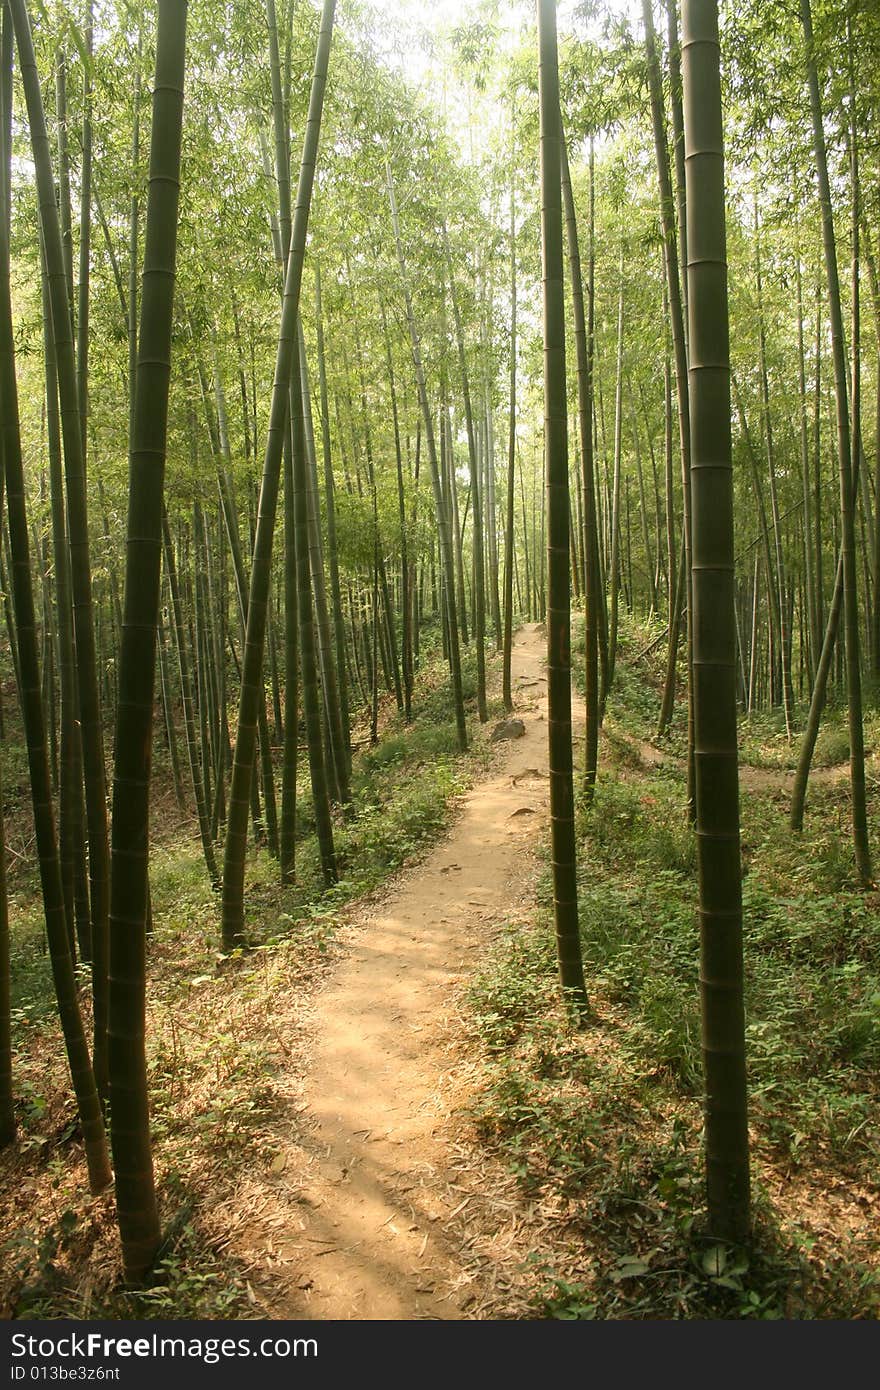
(366,1204)
(382,1110)
(461,1151)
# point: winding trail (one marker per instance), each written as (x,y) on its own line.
(371,1192)
(356,1217)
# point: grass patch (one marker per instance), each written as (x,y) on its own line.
(602,1126)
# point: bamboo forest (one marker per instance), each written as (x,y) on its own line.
(440,659)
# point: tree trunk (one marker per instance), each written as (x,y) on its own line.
(306,629)
(82,1074)
(845,461)
(676,285)
(479,604)
(714,627)
(78,534)
(443,517)
(509,538)
(251,686)
(562,832)
(136,1205)
(584,327)
(615,494)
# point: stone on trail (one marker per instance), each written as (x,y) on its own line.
(508,728)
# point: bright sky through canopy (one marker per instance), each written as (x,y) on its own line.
(414,35)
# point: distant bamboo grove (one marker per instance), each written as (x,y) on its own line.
(296,378)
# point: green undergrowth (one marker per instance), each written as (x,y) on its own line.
(603,1124)
(639,675)
(403,790)
(764,743)
(634,704)
(213,1050)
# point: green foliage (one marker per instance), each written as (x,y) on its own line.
(189,1281)
(31,973)
(832,747)
(415,748)
(400,819)
(603,1123)
(763,742)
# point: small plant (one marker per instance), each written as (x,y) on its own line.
(832,746)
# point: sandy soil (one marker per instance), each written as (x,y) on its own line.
(361,1224)
(380,1090)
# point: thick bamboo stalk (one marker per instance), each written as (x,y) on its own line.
(136,1203)
(714,628)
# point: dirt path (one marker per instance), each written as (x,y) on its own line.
(360,1213)
(360,1229)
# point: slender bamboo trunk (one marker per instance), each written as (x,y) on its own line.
(491,507)
(290,762)
(661,575)
(643,508)
(168,716)
(509,538)
(251,687)
(753,649)
(71,838)
(186,695)
(307,644)
(874,282)
(455,520)
(78,534)
(812,633)
(615,496)
(65,212)
(7,1105)
(332,552)
(784,663)
(81,1070)
(846,471)
(584,333)
(405,606)
(443,519)
(817,472)
(817,704)
(85,235)
(675,94)
(338,747)
(562,832)
(479,604)
(770,574)
(677,289)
